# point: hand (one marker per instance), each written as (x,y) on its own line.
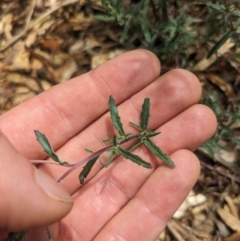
(121,202)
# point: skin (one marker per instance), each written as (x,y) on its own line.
(124,202)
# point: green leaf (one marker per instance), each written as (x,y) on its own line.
(115,117)
(42,139)
(146,34)
(88,150)
(86,169)
(111,158)
(108,140)
(145,114)
(219,44)
(100,160)
(157,152)
(135,145)
(209,148)
(135,125)
(125,30)
(133,158)
(150,134)
(217,6)
(105,18)
(145,6)
(105,3)
(114,140)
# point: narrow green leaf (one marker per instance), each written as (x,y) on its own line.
(146,33)
(105,18)
(145,114)
(135,125)
(110,158)
(219,44)
(146,4)
(114,140)
(152,134)
(125,30)
(157,152)
(134,146)
(108,140)
(86,169)
(133,158)
(88,150)
(100,160)
(105,3)
(42,139)
(115,117)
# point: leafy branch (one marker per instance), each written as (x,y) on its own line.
(143,137)
(173,25)
(114,148)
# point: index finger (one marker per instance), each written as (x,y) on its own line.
(66,109)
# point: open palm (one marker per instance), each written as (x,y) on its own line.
(123,202)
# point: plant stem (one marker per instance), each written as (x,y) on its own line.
(84,160)
(50,162)
(91,156)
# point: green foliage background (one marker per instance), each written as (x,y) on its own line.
(172,30)
(176,26)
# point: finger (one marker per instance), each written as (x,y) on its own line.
(146,215)
(66,109)
(111,188)
(30,198)
(169,95)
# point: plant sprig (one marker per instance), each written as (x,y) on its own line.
(143,137)
(114,147)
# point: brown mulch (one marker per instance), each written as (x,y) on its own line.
(43,43)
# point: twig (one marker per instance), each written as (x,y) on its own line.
(212,168)
(29,16)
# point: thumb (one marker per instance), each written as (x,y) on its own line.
(29,197)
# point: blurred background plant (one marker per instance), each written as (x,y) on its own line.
(174,30)
(43,43)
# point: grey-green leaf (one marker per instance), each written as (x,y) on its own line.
(219,44)
(145,114)
(42,139)
(135,145)
(135,126)
(86,169)
(105,18)
(134,158)
(110,158)
(158,152)
(115,116)
(152,134)
(88,150)
(114,140)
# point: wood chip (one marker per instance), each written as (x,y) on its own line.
(231,221)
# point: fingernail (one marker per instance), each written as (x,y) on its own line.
(51,187)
